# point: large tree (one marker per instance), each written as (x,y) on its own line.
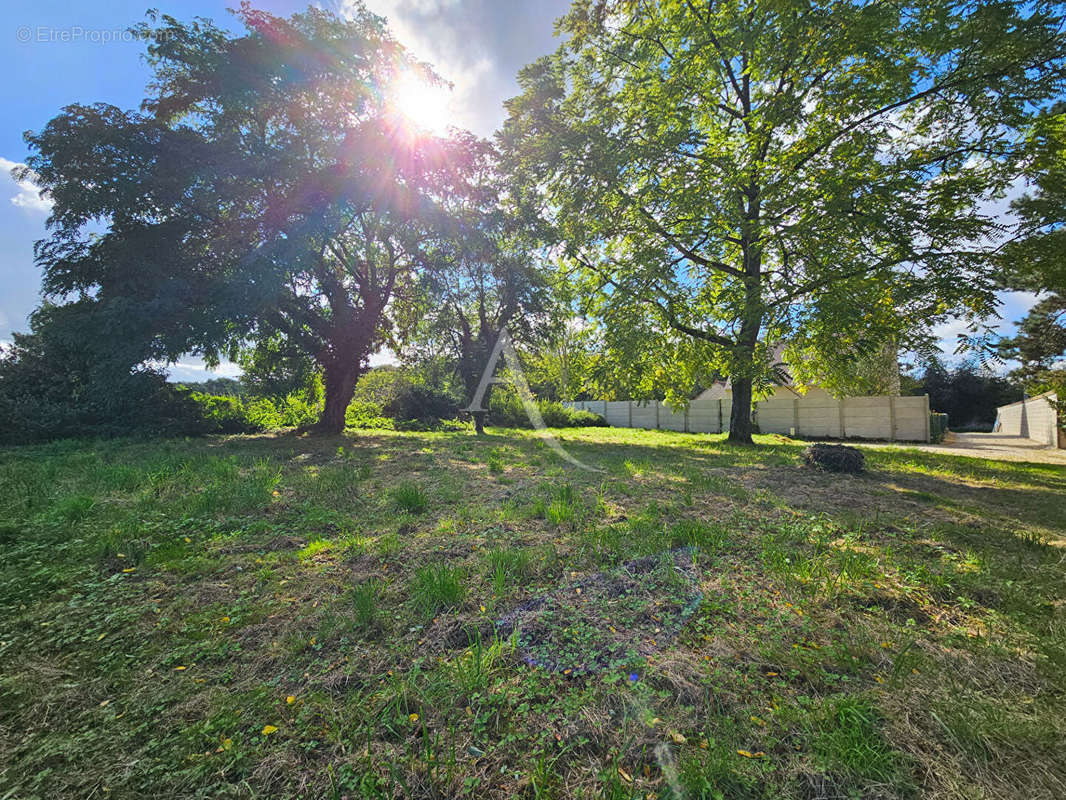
(266,193)
(489,277)
(722,176)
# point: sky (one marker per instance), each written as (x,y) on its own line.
(56,53)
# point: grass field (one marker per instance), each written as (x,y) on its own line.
(280,616)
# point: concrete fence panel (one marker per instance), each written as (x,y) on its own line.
(703,416)
(776,416)
(912,418)
(645,414)
(618,413)
(671,420)
(1035,418)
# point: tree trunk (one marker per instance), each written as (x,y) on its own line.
(340,379)
(740,415)
(472,379)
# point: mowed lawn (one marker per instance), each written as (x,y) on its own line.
(284,616)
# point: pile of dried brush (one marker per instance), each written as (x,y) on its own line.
(834,458)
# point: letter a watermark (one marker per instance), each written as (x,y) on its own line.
(505,348)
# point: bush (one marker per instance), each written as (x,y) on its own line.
(397,396)
(507,411)
(366,414)
(226,414)
(223,413)
(834,458)
(70,376)
(938,426)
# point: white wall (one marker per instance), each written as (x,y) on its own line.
(1034,417)
(815,415)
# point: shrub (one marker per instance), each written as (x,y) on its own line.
(507,411)
(366,414)
(834,458)
(397,396)
(71,376)
(938,426)
(223,413)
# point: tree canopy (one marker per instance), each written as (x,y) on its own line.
(267,193)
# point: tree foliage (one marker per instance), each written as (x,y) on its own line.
(489,277)
(719,177)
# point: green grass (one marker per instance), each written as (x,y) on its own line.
(288,616)
(410,497)
(437,587)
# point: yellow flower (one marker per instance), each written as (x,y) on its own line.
(747,754)
(413,717)
(290,699)
(269,729)
(179,669)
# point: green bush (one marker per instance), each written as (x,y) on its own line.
(507,411)
(403,399)
(223,413)
(938,426)
(366,414)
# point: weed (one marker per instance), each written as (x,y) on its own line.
(437,587)
(410,497)
(366,602)
(847,740)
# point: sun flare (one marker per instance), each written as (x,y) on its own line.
(425,105)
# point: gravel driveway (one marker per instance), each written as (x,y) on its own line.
(997,446)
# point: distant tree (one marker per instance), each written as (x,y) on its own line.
(719,177)
(267,195)
(228,387)
(969,396)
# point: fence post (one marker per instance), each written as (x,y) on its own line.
(657,404)
(928,433)
(605,410)
(686,419)
(796,416)
(719,415)
(892,418)
(629,406)
(840,409)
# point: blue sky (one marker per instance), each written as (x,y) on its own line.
(57,53)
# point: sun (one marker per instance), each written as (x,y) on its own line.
(424,105)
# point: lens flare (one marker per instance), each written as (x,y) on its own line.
(425,106)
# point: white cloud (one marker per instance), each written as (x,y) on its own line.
(477,45)
(29,194)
